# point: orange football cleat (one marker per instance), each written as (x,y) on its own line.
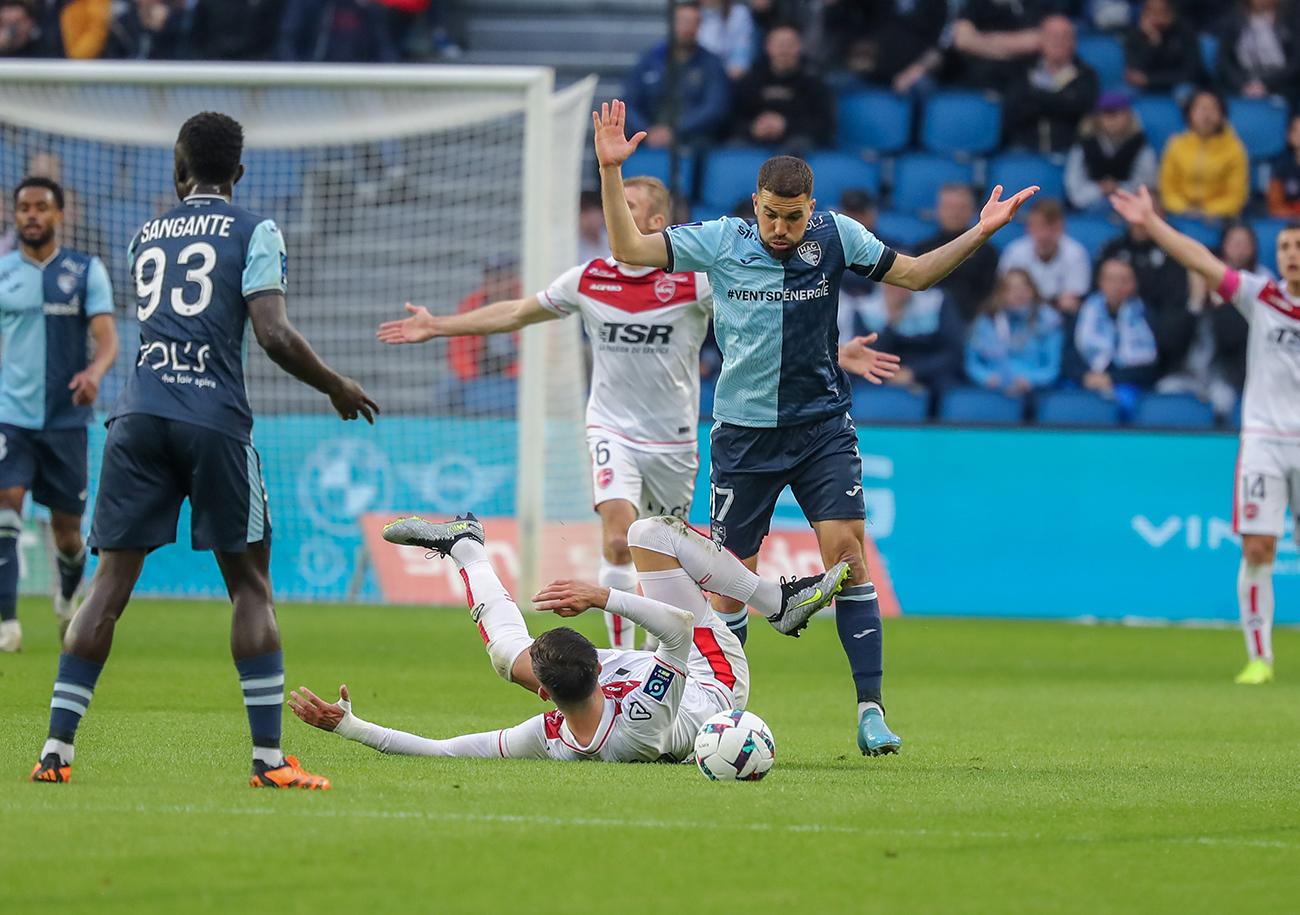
(51,769)
(290,775)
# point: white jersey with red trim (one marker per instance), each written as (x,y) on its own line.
(646,327)
(1271,403)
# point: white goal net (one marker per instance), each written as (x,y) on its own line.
(447,187)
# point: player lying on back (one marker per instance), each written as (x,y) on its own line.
(611,705)
(1268,460)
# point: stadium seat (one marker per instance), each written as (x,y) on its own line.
(1161,118)
(490,396)
(708,388)
(1206,233)
(1234,421)
(1173,411)
(1105,56)
(89,169)
(1266,230)
(1261,124)
(1092,232)
(961,122)
(1008,233)
(1210,53)
(875,120)
(903,228)
(654,162)
(729,175)
(834,172)
(1019,170)
(887,403)
(918,177)
(1076,408)
(979,405)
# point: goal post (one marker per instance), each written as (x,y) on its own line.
(447,186)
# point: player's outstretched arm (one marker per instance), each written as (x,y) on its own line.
(498,318)
(85,384)
(673,626)
(626,242)
(924,271)
(291,352)
(1140,210)
(858,357)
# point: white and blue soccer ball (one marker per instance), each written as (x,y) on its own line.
(735,746)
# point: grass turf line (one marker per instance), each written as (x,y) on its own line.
(1045,768)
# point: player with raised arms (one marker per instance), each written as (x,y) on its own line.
(611,705)
(51,298)
(1268,458)
(183,428)
(782,400)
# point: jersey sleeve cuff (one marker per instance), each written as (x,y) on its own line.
(1231,283)
(671,267)
(258,293)
(886,261)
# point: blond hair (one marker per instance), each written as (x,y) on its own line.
(656,190)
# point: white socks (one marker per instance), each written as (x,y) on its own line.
(491,607)
(712,568)
(622,633)
(271,756)
(64,750)
(1255,596)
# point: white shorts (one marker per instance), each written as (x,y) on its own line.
(1268,480)
(657,484)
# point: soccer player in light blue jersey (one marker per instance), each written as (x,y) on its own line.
(51,300)
(782,400)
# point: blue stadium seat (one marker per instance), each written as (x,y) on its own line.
(1092,232)
(1210,53)
(708,389)
(1173,411)
(1266,230)
(904,228)
(876,120)
(875,403)
(730,174)
(89,169)
(1206,233)
(1076,408)
(1105,56)
(703,213)
(494,396)
(833,172)
(1015,171)
(1008,233)
(961,122)
(918,177)
(1261,124)
(1161,118)
(979,405)
(1234,421)
(654,162)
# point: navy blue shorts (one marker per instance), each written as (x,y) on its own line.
(49,462)
(819,461)
(151,465)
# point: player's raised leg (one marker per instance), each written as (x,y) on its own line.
(11,528)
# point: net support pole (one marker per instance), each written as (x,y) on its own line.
(530,496)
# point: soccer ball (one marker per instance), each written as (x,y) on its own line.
(734,746)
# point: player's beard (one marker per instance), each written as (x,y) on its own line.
(778,254)
(39,241)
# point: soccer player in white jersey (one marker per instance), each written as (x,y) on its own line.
(614,705)
(1268,460)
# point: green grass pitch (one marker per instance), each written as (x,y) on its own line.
(1045,768)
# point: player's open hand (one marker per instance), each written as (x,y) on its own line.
(858,357)
(350,401)
(1138,209)
(84,387)
(420,326)
(998,212)
(612,147)
(569,598)
(314,710)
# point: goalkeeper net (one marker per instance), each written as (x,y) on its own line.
(448,187)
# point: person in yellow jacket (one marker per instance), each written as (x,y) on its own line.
(85,25)
(1205,170)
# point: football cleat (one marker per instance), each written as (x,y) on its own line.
(874,736)
(11,636)
(51,769)
(803,597)
(434,536)
(1256,673)
(65,608)
(289,775)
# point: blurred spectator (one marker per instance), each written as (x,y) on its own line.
(860,206)
(418,30)
(972,282)
(335,31)
(743,208)
(894,42)
(235,29)
(146,30)
(782,101)
(1258,50)
(1045,104)
(1239,248)
(478,357)
(1112,153)
(922,328)
(703,88)
(85,25)
(9,237)
(727,30)
(1114,346)
(1284,176)
(1058,263)
(993,42)
(1107,15)
(768,14)
(1205,171)
(592,240)
(1161,52)
(1015,342)
(19,34)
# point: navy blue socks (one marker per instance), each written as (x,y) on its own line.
(73,689)
(262,680)
(857,617)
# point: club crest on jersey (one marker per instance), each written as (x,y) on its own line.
(66,282)
(719,534)
(656,685)
(604,478)
(1250,511)
(665,288)
(811,253)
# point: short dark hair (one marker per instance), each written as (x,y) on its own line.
(1292,226)
(1049,210)
(212,144)
(566,663)
(785,176)
(41,181)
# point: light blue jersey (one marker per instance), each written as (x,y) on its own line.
(776,321)
(45,312)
